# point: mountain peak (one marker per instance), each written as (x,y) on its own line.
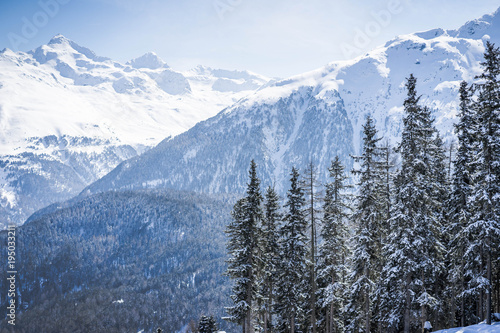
(149,60)
(62,43)
(59,39)
(486,25)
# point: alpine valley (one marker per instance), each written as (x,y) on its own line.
(126,173)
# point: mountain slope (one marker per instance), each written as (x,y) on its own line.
(121,262)
(68,116)
(314,116)
(214,155)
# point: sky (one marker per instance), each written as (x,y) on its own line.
(276,38)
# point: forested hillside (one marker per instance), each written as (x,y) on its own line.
(121,262)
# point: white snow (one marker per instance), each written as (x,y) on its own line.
(149,60)
(64,89)
(374,83)
(480,328)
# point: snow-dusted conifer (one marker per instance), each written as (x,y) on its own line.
(332,267)
(291,299)
(366,244)
(485,198)
(413,249)
(270,258)
(312,212)
(459,212)
(207,325)
(243,264)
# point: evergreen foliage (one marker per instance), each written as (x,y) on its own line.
(334,251)
(366,242)
(207,325)
(291,298)
(243,246)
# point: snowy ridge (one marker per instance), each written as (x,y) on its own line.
(65,92)
(374,83)
(64,89)
(213,156)
(149,60)
(370,84)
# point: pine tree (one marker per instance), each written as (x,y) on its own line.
(413,249)
(243,248)
(366,244)
(387,164)
(270,259)
(485,197)
(439,191)
(459,213)
(207,325)
(237,268)
(332,270)
(292,276)
(311,189)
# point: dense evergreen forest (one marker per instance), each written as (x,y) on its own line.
(121,262)
(415,244)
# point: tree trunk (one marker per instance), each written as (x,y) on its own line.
(424,316)
(265,321)
(498,291)
(367,306)
(330,318)
(407,305)
(330,315)
(488,291)
(462,300)
(452,309)
(481,293)
(423,309)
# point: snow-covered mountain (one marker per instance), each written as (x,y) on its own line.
(316,115)
(69,116)
(214,155)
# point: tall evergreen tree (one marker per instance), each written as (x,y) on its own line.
(388,162)
(413,249)
(486,178)
(439,191)
(291,295)
(366,246)
(243,248)
(459,213)
(311,189)
(270,258)
(333,270)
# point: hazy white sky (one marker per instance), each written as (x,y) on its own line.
(271,37)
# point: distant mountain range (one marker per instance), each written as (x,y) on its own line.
(68,116)
(314,116)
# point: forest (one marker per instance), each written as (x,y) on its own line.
(125,261)
(409,239)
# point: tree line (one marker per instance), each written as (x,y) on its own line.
(415,243)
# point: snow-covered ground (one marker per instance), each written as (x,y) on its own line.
(480,328)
